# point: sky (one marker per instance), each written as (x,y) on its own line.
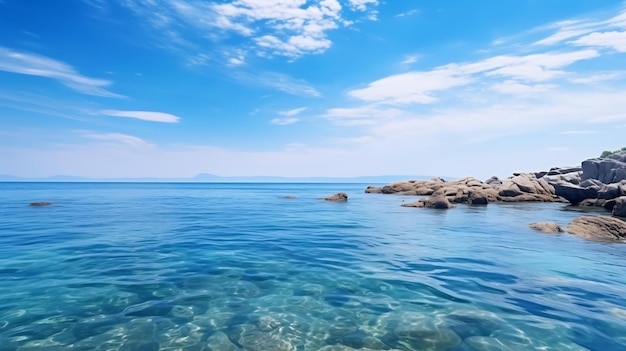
(296,88)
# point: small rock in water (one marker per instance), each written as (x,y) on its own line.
(339,197)
(546,227)
(289,197)
(40,203)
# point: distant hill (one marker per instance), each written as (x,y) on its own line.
(212,178)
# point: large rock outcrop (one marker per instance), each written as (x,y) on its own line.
(602,228)
(611,169)
(596,183)
(469,190)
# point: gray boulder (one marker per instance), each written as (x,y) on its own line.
(562,170)
(619,209)
(603,228)
(608,170)
(611,191)
(574,193)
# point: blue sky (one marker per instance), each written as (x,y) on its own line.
(173,88)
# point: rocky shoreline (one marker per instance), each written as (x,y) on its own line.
(599,182)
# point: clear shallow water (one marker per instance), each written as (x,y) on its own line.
(237,267)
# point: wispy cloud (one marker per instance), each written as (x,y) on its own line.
(408,13)
(284,121)
(578,28)
(115,138)
(277,81)
(410,59)
(288,116)
(293,112)
(45,105)
(36,65)
(615,40)
(419,86)
(143,115)
(362,115)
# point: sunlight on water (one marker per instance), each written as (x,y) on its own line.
(237,267)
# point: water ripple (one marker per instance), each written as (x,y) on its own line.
(236,267)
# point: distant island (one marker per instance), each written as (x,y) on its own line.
(212,178)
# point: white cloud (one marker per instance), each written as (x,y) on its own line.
(597,77)
(293,112)
(419,86)
(237,60)
(410,59)
(572,29)
(41,66)
(413,87)
(363,115)
(291,28)
(561,35)
(278,81)
(198,60)
(516,88)
(408,13)
(289,116)
(115,138)
(284,121)
(143,115)
(361,5)
(615,40)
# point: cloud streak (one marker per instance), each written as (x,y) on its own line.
(40,66)
(150,116)
(115,138)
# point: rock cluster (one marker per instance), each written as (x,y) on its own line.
(442,194)
(598,182)
(600,228)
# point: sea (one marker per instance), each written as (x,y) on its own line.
(240,266)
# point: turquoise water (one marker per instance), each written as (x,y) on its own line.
(239,267)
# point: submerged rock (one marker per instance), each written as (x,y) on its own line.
(602,228)
(40,203)
(219,341)
(290,197)
(435,201)
(546,227)
(339,197)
